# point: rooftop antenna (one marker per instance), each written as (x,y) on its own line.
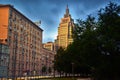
(38,23)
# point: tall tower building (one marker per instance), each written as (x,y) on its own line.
(65,29)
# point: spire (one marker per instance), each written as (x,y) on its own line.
(67,6)
(67,12)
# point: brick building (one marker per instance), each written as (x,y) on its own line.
(47,59)
(24,39)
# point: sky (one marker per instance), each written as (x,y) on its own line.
(49,12)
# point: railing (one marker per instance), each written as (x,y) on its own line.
(26,77)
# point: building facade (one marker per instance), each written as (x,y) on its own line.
(24,39)
(4,60)
(65,30)
(49,45)
(47,64)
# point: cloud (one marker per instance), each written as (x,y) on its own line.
(51,11)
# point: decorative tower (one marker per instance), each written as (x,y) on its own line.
(65,29)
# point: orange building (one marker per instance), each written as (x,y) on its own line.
(4,24)
(24,39)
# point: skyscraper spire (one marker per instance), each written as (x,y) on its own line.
(67,7)
(67,12)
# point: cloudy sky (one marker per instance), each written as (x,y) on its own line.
(51,11)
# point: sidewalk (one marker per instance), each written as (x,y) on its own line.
(83,79)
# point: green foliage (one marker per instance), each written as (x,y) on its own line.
(58,63)
(96,46)
(109,37)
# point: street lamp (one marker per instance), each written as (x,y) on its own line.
(72,70)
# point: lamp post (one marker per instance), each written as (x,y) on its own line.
(72,70)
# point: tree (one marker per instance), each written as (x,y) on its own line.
(96,46)
(108,32)
(89,45)
(58,61)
